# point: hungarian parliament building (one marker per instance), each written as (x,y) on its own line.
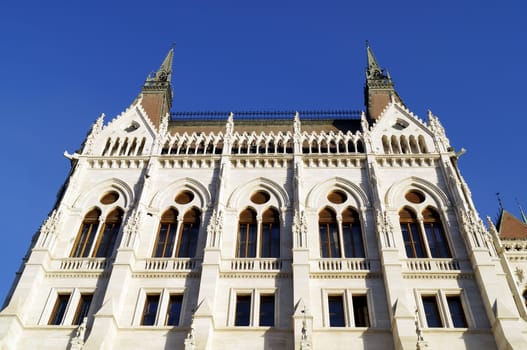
(269,230)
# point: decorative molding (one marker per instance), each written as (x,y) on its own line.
(215,229)
(94,132)
(49,229)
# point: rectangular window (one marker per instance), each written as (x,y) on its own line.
(150,310)
(329,240)
(433,319)
(436,240)
(247,241)
(270,245)
(174,309)
(106,243)
(59,310)
(243,310)
(82,308)
(267,310)
(360,311)
(412,241)
(456,311)
(353,240)
(85,240)
(165,240)
(336,311)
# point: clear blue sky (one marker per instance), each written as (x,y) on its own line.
(62,63)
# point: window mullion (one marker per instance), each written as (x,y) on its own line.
(424,239)
(341,237)
(179,228)
(259,224)
(97,237)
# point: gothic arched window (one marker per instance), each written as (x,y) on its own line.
(247,232)
(435,234)
(166,235)
(270,233)
(413,240)
(329,234)
(86,235)
(352,234)
(108,236)
(189,232)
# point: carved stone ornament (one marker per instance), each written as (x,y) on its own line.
(215,228)
(49,227)
(77,342)
(385,227)
(520,274)
(131,228)
(189,340)
(305,343)
(300,229)
(421,343)
(163,131)
(229,126)
(94,132)
(297,125)
(437,129)
(473,226)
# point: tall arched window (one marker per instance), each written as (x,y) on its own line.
(166,236)
(189,232)
(270,233)
(329,234)
(108,236)
(352,234)
(435,234)
(86,236)
(247,232)
(413,241)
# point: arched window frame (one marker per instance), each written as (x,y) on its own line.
(247,236)
(330,246)
(423,226)
(414,244)
(260,222)
(343,222)
(188,230)
(353,223)
(177,231)
(97,232)
(168,225)
(108,234)
(434,228)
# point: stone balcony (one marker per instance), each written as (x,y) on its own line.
(256,265)
(81,264)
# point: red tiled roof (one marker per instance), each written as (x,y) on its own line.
(511,228)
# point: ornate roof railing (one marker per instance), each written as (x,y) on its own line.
(255,115)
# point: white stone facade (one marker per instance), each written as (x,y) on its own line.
(311,300)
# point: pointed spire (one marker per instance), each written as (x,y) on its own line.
(378,90)
(374,71)
(157,91)
(164,73)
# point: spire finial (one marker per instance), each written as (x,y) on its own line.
(373,71)
(165,71)
(500,203)
(524,217)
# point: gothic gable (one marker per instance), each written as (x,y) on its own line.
(129,134)
(398,131)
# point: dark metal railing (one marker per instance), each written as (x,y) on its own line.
(255,115)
